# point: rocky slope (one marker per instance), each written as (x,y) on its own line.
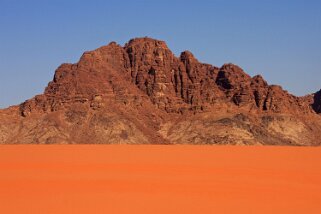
(142,94)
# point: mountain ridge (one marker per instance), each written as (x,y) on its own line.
(142,93)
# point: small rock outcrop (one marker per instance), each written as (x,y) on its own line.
(317,102)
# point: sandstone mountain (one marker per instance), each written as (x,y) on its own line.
(141,93)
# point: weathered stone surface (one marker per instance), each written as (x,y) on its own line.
(317,102)
(142,93)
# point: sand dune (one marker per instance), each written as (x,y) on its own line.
(159,179)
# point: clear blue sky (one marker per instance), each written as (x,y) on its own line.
(279,39)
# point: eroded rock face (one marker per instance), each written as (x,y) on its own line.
(145,87)
(317,102)
(146,67)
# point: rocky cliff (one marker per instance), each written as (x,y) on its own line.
(141,93)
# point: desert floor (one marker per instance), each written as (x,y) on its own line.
(159,179)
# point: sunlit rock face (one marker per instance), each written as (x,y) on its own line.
(142,93)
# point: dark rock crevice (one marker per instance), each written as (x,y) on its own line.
(317,102)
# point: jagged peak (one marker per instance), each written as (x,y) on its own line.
(230,66)
(258,79)
(143,41)
(173,87)
(112,43)
(118,91)
(101,49)
(187,56)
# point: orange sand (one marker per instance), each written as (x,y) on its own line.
(159,179)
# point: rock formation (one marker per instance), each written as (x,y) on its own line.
(142,94)
(317,102)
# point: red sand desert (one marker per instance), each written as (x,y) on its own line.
(159,179)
